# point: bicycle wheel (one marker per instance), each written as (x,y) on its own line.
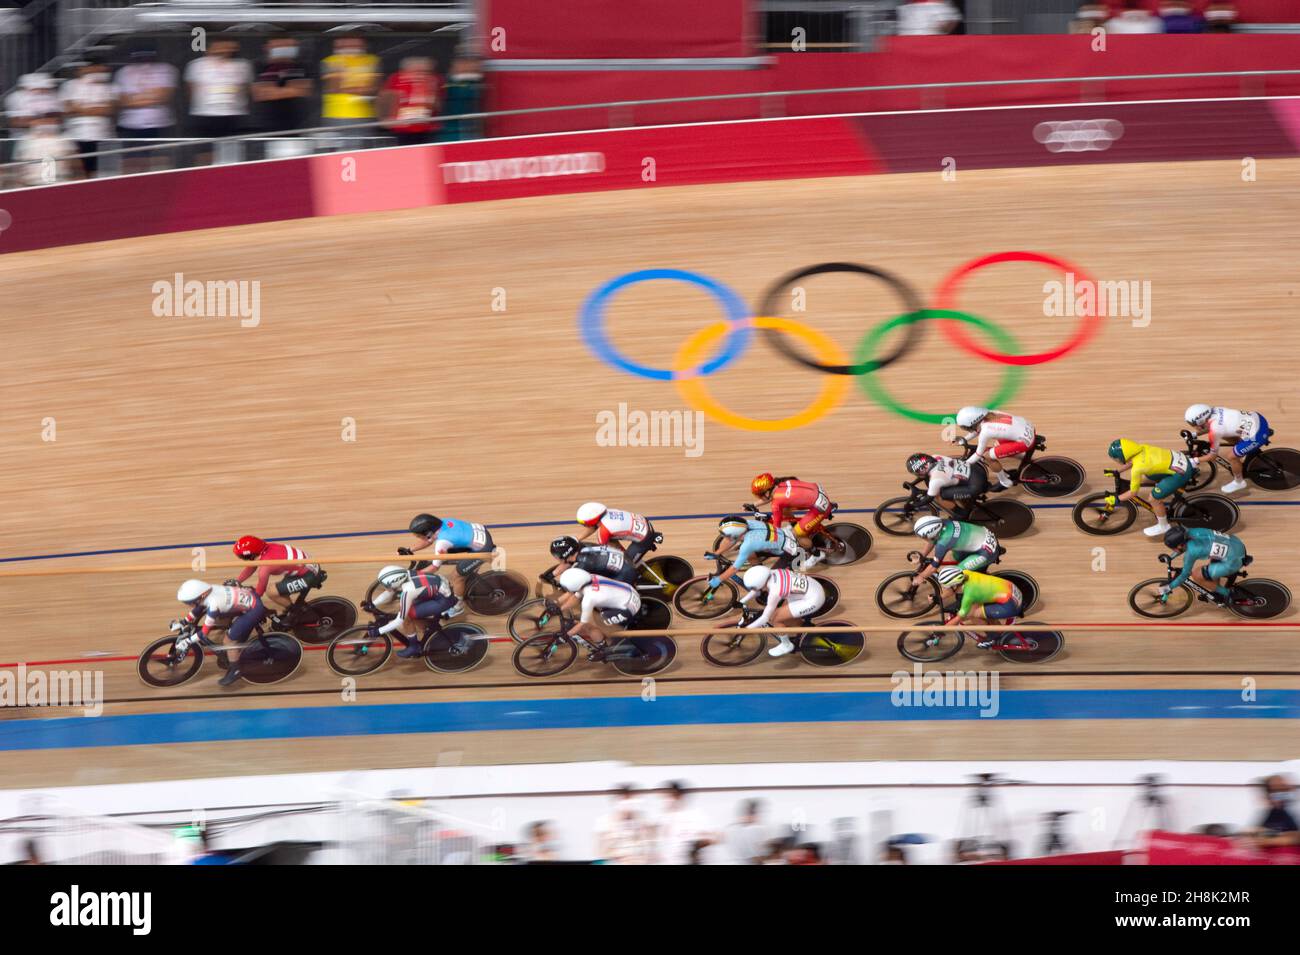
(831,649)
(1029,646)
(1145,599)
(930,646)
(653,615)
(1028,587)
(546,654)
(652,655)
(270,658)
(323,619)
(666,573)
(1092,516)
(1052,477)
(897,597)
(495,592)
(160,665)
(1203,477)
(1214,511)
(1259,599)
(357,652)
(529,619)
(855,538)
(1005,518)
(1277,469)
(896,515)
(694,599)
(832,591)
(733,649)
(457,648)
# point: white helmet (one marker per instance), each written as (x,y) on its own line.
(1197,414)
(394,577)
(928,526)
(192,590)
(756,577)
(971,415)
(590,513)
(951,576)
(574,579)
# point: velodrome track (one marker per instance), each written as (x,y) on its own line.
(173,432)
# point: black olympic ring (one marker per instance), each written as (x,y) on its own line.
(911,301)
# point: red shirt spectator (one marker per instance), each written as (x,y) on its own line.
(409,100)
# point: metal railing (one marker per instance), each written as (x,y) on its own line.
(621,114)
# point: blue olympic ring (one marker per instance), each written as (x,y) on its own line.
(591,322)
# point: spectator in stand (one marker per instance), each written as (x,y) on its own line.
(541,843)
(409,101)
(927,18)
(219,86)
(350,78)
(806,853)
(1220,16)
(88,105)
(1179,17)
(282,90)
(35,98)
(747,836)
(893,853)
(1132,18)
(1278,827)
(46,154)
(145,91)
(464,95)
(623,834)
(1088,17)
(31,854)
(682,832)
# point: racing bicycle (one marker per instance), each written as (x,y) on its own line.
(1006,518)
(835,543)
(1050,476)
(1208,509)
(899,596)
(737,648)
(555,649)
(265,657)
(1258,598)
(448,648)
(1276,469)
(697,600)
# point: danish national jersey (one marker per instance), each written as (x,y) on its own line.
(290,561)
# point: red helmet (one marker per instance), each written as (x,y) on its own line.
(249,547)
(762,484)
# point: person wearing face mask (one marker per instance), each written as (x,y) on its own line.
(46,154)
(145,89)
(1278,827)
(282,91)
(350,79)
(89,104)
(34,98)
(219,87)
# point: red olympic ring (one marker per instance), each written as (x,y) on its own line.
(946,297)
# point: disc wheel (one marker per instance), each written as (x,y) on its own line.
(546,654)
(896,515)
(897,597)
(1029,646)
(930,646)
(1005,518)
(1027,585)
(653,615)
(1146,601)
(1276,469)
(1052,477)
(1259,599)
(666,574)
(270,658)
(161,666)
(1092,516)
(855,538)
(531,618)
(831,649)
(694,599)
(1214,511)
(358,651)
(457,648)
(653,655)
(323,619)
(495,592)
(733,649)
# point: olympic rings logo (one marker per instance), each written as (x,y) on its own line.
(733,336)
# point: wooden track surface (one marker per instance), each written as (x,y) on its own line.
(180,430)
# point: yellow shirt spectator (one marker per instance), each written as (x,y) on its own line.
(350,81)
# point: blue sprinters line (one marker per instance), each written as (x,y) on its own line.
(631,710)
(515,524)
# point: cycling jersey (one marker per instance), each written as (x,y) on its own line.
(1006,434)
(461,537)
(983,589)
(1151,462)
(622,526)
(1224,552)
(292,565)
(964,539)
(765,538)
(947,472)
(606,562)
(805,595)
(222,603)
(425,596)
(618,601)
(1247,430)
(792,494)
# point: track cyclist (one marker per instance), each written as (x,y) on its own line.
(630,533)
(600,559)
(788,494)
(791,599)
(295,575)
(1224,555)
(617,602)
(999,436)
(240,607)
(754,537)
(449,537)
(1246,431)
(1170,470)
(952,482)
(983,597)
(973,547)
(422,596)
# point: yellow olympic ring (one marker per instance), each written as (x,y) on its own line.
(697,394)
